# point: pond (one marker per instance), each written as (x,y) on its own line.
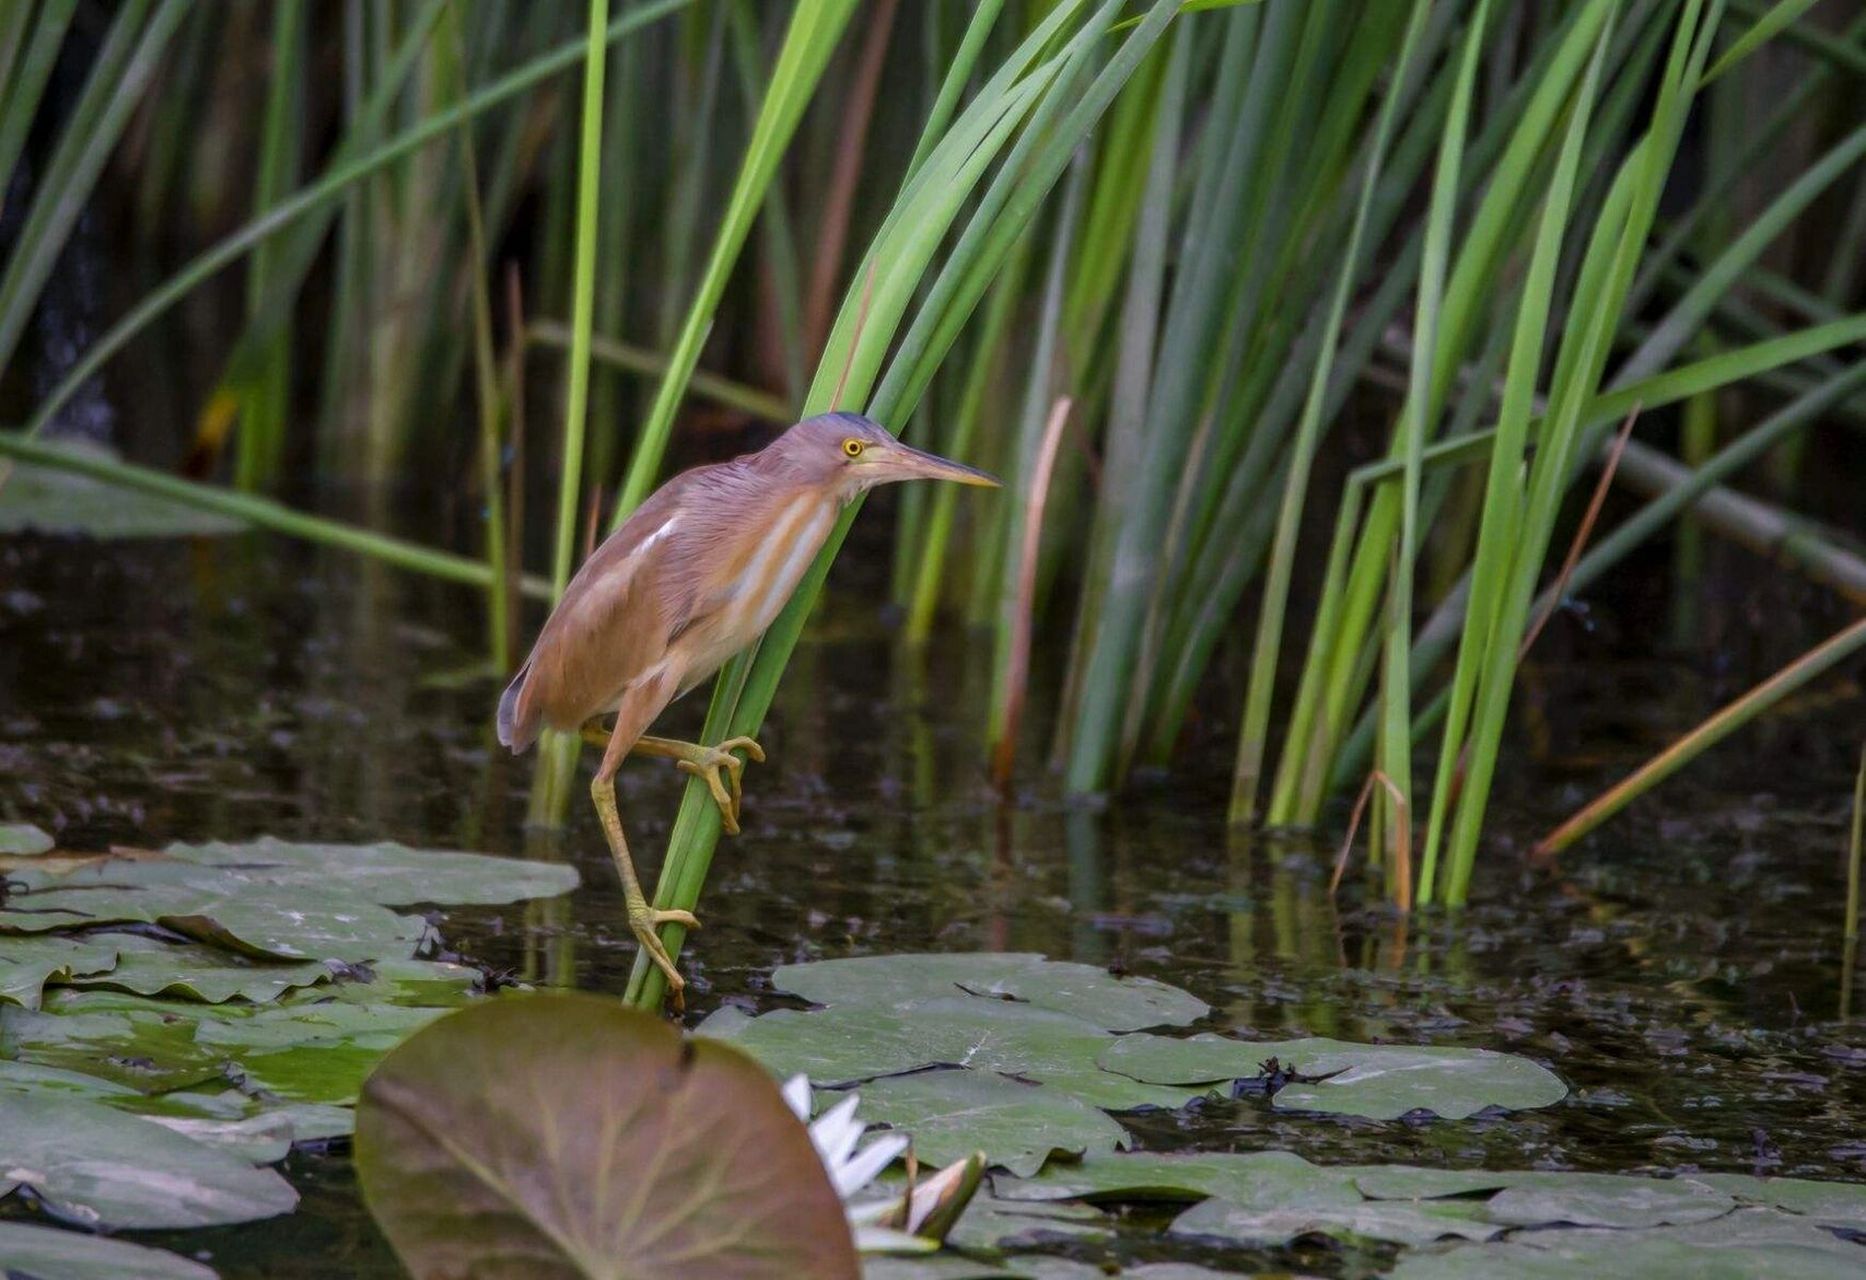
(1682,971)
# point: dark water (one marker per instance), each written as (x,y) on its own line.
(1682,970)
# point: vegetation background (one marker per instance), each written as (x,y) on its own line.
(1347,300)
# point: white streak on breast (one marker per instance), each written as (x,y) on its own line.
(802,549)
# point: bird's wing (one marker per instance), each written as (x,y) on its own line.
(611,627)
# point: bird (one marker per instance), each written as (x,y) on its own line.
(694,575)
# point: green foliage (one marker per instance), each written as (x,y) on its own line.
(1270,206)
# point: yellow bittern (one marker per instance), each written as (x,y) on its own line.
(692,577)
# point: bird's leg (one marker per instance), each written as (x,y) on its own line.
(704,763)
(643,919)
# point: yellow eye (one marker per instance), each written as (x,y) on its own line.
(853,448)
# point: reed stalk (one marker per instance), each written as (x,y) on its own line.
(1809,666)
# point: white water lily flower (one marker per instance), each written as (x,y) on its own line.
(835,1134)
(877,1224)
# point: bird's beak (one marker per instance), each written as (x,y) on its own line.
(909,463)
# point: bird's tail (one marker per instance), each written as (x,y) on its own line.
(517,730)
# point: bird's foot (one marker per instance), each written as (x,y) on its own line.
(643,922)
(721,771)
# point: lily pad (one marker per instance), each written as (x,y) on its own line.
(1748,1242)
(1261,1178)
(1838,1204)
(317,1053)
(221,905)
(1607,1200)
(29,1079)
(48,1253)
(49,500)
(265,1138)
(23,840)
(104,1169)
(149,1051)
(992,1224)
(847,1044)
(388,874)
(192,971)
(1393,1221)
(429,984)
(951,1114)
(900,982)
(568,1135)
(1380,1082)
(26,964)
(1536,1198)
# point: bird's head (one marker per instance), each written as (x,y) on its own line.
(850,455)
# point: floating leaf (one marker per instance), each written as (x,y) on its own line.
(568,1136)
(847,1044)
(942,1266)
(900,982)
(104,1169)
(23,840)
(48,1253)
(59,502)
(1380,1082)
(429,984)
(1607,1200)
(151,967)
(1748,1242)
(26,964)
(265,1138)
(1839,1204)
(29,1079)
(388,874)
(1260,1178)
(225,906)
(989,1223)
(1536,1198)
(317,1053)
(147,1050)
(954,1113)
(1395,1221)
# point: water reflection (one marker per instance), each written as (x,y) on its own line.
(1684,971)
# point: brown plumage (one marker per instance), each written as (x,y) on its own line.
(694,576)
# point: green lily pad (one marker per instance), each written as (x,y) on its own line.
(49,1253)
(264,1138)
(151,1052)
(570,1135)
(388,874)
(1394,1221)
(1839,1204)
(23,840)
(30,1079)
(900,982)
(103,1169)
(941,1266)
(848,1044)
(428,984)
(1607,1200)
(989,1223)
(317,1053)
(1535,1198)
(1265,1179)
(48,500)
(1380,1082)
(226,906)
(1404,1182)
(1747,1242)
(951,1114)
(26,964)
(192,971)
